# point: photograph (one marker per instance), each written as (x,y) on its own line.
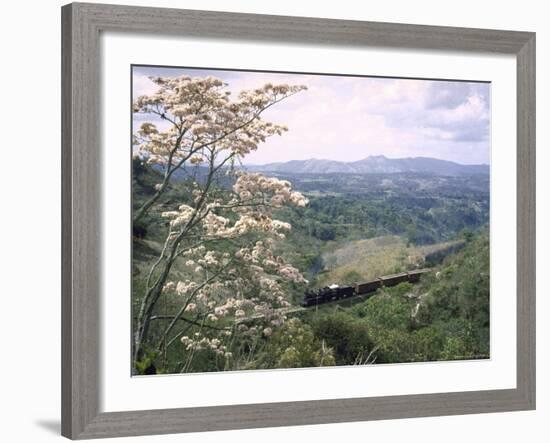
(285,220)
(275,221)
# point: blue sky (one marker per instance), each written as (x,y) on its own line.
(349,118)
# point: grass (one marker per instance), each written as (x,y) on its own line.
(366,259)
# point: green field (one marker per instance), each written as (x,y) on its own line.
(362,260)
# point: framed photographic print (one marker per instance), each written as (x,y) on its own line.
(274,221)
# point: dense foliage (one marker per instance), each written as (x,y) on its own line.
(444,317)
(424,208)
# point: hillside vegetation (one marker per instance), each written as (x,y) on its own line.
(366,259)
(387,224)
(445,317)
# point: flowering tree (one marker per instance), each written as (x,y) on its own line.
(202,120)
(217,259)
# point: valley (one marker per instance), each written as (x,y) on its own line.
(358,226)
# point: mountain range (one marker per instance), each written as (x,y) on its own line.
(374,164)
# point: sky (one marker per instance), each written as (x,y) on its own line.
(349,118)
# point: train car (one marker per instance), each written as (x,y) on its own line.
(395,279)
(369,286)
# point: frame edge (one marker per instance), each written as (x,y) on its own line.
(81,23)
(66,224)
(526,221)
(80,274)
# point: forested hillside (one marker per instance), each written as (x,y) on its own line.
(353,228)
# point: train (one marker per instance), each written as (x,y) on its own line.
(336,292)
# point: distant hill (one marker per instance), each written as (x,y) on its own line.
(376,164)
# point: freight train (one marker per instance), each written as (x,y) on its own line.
(337,292)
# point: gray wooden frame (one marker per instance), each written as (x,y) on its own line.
(81,26)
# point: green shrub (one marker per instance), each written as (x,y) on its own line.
(347,336)
(294,346)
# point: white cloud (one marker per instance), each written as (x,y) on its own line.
(349,118)
(142,85)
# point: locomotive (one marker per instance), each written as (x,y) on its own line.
(336,292)
(327,294)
